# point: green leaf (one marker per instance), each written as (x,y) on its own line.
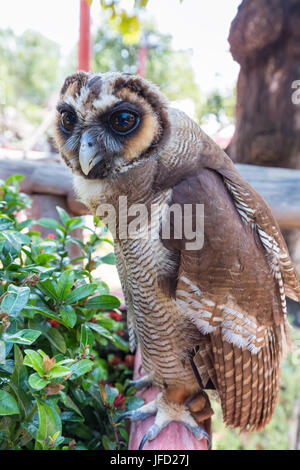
(103,288)
(33,359)
(58,371)
(44,258)
(64,361)
(49,223)
(70,416)
(2,352)
(107,443)
(109,259)
(49,422)
(63,215)
(37,382)
(68,402)
(120,343)
(8,404)
(48,288)
(75,222)
(13,178)
(26,223)
(104,302)
(65,284)
(16,239)
(99,329)
(106,322)
(81,368)
(5,222)
(56,339)
(124,434)
(23,399)
(18,366)
(80,293)
(68,315)
(23,337)
(134,403)
(14,302)
(45,311)
(87,337)
(111,393)
(18,382)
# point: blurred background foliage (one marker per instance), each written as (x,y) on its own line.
(33,68)
(29,65)
(176,80)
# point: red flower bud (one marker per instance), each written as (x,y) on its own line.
(51,236)
(54,323)
(115,316)
(129,361)
(115,360)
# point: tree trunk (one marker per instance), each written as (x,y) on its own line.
(265,41)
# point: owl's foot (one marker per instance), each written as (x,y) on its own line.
(165,411)
(139,384)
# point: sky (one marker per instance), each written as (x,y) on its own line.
(199,25)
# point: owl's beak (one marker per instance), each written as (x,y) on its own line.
(89,153)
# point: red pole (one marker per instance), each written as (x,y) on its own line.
(84,45)
(142,60)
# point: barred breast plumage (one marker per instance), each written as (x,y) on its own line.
(154,317)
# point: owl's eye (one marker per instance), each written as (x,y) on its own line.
(124,122)
(67,121)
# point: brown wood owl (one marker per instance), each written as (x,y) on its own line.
(211,316)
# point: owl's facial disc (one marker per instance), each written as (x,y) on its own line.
(106,124)
(98,140)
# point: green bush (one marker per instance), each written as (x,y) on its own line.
(63,361)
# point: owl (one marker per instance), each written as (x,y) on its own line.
(208,314)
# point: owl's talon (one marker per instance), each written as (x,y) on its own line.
(139,384)
(150,434)
(139,414)
(153,432)
(166,412)
(135,415)
(199,434)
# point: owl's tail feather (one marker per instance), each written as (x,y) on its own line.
(248,382)
(238,387)
(257,385)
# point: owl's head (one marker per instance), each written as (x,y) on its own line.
(106,123)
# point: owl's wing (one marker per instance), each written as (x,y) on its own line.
(254,210)
(233,291)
